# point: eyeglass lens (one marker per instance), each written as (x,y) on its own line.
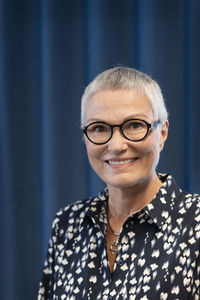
(134,130)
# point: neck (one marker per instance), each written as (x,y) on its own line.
(125,201)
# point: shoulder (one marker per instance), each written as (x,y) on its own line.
(76,213)
(178,196)
(188,207)
(72,213)
(189,198)
(183,207)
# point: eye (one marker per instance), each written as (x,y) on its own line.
(98,128)
(134,125)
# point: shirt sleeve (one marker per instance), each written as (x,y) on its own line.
(47,281)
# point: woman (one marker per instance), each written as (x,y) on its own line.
(138,239)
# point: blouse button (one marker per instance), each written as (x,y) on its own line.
(120,262)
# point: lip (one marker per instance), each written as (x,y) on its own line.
(121,162)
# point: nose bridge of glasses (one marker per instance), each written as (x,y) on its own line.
(116,125)
(117,141)
(120,131)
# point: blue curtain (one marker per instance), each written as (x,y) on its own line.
(49,51)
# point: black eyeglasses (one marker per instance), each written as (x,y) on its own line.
(134,130)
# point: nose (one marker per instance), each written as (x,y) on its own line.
(118,142)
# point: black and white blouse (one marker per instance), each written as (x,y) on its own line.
(158,255)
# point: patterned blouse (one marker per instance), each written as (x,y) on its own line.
(158,255)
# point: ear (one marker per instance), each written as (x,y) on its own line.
(163,133)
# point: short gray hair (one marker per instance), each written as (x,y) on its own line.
(127,78)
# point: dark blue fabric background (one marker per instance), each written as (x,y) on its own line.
(49,51)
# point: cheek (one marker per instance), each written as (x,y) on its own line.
(150,146)
(89,148)
(94,152)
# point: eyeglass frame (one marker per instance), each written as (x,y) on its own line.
(149,126)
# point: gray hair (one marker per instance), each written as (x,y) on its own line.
(127,78)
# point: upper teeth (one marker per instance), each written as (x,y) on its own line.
(120,162)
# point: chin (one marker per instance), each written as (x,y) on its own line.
(127,181)
(124,182)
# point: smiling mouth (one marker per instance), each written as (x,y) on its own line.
(120,162)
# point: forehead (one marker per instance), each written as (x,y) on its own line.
(117,105)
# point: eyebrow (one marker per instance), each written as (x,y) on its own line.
(136,116)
